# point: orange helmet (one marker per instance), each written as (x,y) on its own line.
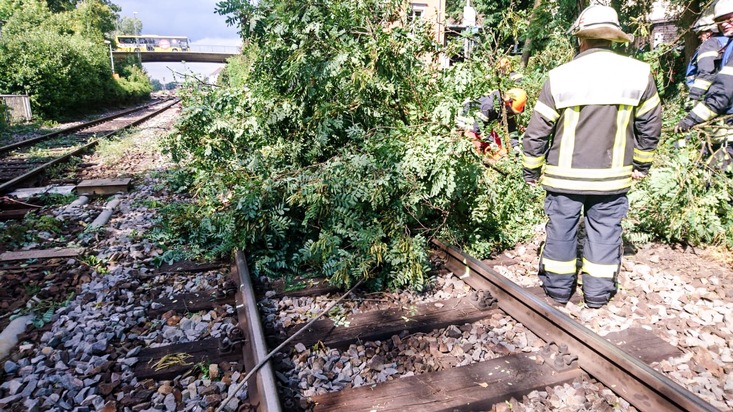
(515,99)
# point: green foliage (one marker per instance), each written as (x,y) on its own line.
(130,25)
(329,148)
(15,234)
(60,60)
(4,117)
(683,200)
(338,155)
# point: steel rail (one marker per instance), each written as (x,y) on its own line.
(261,386)
(633,380)
(71,129)
(11,184)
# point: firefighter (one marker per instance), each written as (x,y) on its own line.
(719,98)
(480,112)
(595,127)
(705,62)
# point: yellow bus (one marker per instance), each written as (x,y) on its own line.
(151,43)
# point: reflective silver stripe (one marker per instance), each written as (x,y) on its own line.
(703,112)
(726,71)
(712,53)
(482,116)
(547,112)
(577,83)
(559,267)
(586,185)
(619,145)
(567,144)
(648,105)
(531,162)
(624,171)
(643,156)
(598,270)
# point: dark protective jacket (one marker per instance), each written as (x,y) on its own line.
(482,111)
(708,56)
(717,101)
(596,120)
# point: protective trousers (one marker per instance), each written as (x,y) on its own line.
(601,258)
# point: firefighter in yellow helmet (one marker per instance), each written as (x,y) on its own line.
(595,127)
(479,113)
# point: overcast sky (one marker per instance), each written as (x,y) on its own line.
(193,18)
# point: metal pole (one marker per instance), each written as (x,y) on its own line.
(111,60)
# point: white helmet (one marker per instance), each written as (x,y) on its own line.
(723,8)
(705,23)
(600,22)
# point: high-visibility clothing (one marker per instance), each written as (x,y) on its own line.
(717,101)
(707,60)
(478,114)
(601,257)
(597,119)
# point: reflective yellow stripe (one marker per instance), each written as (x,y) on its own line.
(701,84)
(648,105)
(643,156)
(703,112)
(726,71)
(547,112)
(599,271)
(559,267)
(531,162)
(567,144)
(623,171)
(586,185)
(619,145)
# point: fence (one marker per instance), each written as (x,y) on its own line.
(18,107)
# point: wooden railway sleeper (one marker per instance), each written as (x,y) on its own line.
(483,299)
(558,357)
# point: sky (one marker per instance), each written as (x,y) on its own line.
(193,18)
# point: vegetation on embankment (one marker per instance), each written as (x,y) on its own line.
(59,58)
(331,149)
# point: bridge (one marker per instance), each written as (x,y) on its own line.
(196,53)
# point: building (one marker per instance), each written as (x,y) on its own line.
(433,11)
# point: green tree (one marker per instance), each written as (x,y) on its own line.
(60,59)
(332,149)
(130,25)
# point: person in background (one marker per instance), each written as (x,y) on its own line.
(705,63)
(718,100)
(595,127)
(476,114)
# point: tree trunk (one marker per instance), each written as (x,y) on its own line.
(528,41)
(689,15)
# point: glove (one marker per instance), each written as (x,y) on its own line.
(682,126)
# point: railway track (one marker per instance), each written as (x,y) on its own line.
(236,346)
(570,351)
(27,159)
